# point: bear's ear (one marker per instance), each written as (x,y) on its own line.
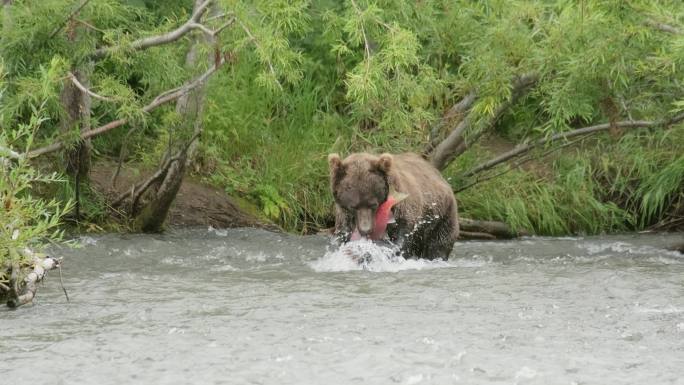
(385,163)
(335,163)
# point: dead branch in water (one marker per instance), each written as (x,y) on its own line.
(23,291)
(475,235)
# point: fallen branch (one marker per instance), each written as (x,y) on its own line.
(522,149)
(160,100)
(169,37)
(475,235)
(518,164)
(454,144)
(499,230)
(23,291)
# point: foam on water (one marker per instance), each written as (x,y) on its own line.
(368,255)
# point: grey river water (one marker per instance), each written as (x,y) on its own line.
(246,306)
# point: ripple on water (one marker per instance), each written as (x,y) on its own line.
(247,306)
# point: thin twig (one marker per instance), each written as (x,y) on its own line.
(122,154)
(61,281)
(521,149)
(65,21)
(366,43)
(169,37)
(84,89)
(88,25)
(520,163)
(220,16)
(256,43)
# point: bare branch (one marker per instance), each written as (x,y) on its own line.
(457,111)
(66,20)
(519,163)
(522,149)
(137,190)
(90,26)
(219,16)
(22,291)
(86,90)
(160,100)
(454,144)
(224,26)
(9,153)
(153,41)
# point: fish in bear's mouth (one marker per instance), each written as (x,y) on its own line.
(383,216)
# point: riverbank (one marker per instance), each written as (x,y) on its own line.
(197,203)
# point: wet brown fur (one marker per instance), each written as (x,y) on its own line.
(427,221)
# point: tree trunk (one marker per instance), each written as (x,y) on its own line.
(190,107)
(151,218)
(76,105)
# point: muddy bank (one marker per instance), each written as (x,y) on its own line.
(197,203)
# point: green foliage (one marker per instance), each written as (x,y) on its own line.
(309,77)
(567,201)
(25,220)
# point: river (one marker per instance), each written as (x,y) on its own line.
(246,306)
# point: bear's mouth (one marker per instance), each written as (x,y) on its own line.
(382,217)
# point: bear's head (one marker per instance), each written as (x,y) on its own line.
(359,185)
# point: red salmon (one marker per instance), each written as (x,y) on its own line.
(383,216)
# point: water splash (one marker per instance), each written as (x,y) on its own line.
(368,255)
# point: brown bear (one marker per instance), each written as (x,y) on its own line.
(426,221)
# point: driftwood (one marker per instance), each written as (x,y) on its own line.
(23,291)
(471,228)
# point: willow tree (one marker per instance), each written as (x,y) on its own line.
(120,67)
(445,74)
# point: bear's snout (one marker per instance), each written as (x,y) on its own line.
(364,221)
